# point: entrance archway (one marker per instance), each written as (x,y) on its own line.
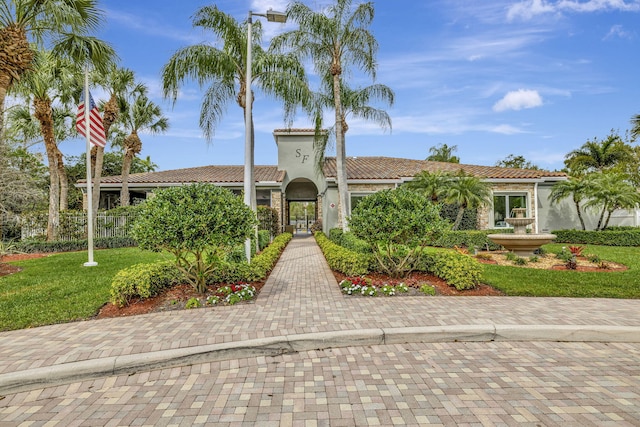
(301,208)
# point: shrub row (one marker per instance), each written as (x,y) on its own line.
(623,237)
(341,259)
(349,241)
(468,239)
(144,281)
(33,246)
(459,270)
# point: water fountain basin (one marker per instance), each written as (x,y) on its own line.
(522,245)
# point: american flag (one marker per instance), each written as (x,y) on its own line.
(96,135)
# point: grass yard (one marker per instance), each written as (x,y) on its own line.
(59,289)
(547,283)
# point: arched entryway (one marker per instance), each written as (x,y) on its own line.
(301,207)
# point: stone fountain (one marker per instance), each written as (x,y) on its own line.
(521,243)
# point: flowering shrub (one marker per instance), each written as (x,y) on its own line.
(364,286)
(232,294)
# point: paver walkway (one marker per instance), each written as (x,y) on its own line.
(491,383)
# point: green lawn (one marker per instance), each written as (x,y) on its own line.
(546,283)
(60,289)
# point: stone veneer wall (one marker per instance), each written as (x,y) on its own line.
(484,213)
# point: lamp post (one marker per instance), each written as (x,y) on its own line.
(249,181)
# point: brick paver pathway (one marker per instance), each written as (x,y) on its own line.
(444,383)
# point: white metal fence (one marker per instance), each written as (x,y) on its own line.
(73,226)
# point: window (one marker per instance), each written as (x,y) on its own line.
(503,204)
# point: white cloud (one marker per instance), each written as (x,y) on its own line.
(519,99)
(530,8)
(618,31)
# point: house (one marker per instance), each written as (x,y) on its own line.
(295,179)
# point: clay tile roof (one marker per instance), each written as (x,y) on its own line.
(212,174)
(396,168)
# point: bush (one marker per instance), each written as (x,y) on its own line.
(468,238)
(397,225)
(349,241)
(458,270)
(143,281)
(342,259)
(37,246)
(264,237)
(616,237)
(268,220)
(197,224)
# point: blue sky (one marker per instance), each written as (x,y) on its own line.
(536,78)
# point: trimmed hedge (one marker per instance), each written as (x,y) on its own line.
(349,241)
(624,237)
(459,270)
(36,246)
(143,281)
(341,259)
(259,268)
(469,239)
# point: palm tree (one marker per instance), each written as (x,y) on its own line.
(141,115)
(62,23)
(50,79)
(355,103)
(119,82)
(224,70)
(443,153)
(574,187)
(468,192)
(610,191)
(597,155)
(432,184)
(334,42)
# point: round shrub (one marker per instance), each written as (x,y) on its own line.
(397,224)
(196,223)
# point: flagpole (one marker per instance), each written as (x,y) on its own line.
(87,107)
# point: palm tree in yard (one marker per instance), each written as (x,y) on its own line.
(431,184)
(468,192)
(608,192)
(443,153)
(574,187)
(335,42)
(597,156)
(635,130)
(141,114)
(119,83)
(50,79)
(355,104)
(59,24)
(223,69)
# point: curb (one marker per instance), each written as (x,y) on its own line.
(38,378)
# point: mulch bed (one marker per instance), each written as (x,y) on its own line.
(416,279)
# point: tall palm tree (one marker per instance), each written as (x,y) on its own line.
(597,156)
(58,24)
(119,82)
(468,192)
(223,69)
(142,114)
(574,187)
(335,42)
(356,104)
(50,79)
(443,153)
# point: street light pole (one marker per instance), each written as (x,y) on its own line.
(249,180)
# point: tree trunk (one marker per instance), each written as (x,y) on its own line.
(580,214)
(341,156)
(126,167)
(604,209)
(458,220)
(5,81)
(44,115)
(64,181)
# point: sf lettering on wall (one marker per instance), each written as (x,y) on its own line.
(300,155)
